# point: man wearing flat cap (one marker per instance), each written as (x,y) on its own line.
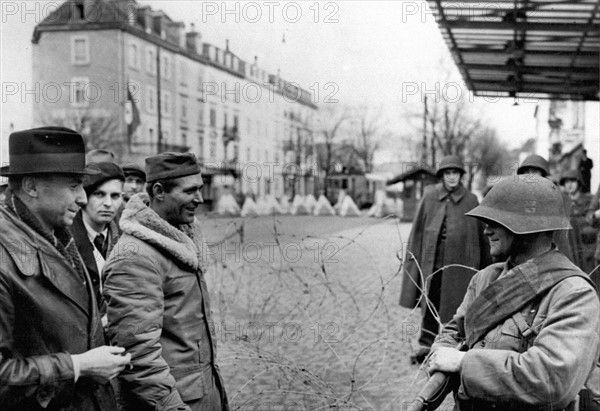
(135,180)
(52,353)
(156,294)
(443,243)
(95,227)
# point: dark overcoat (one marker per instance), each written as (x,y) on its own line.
(86,250)
(465,245)
(47,314)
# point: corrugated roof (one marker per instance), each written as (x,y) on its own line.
(524,48)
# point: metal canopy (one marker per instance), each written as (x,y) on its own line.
(524,48)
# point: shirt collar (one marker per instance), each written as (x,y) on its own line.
(93,233)
(455,195)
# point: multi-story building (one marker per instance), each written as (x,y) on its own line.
(134,81)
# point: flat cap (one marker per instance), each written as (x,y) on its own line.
(98,155)
(131,168)
(171,165)
(106,171)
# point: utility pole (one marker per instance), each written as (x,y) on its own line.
(424,148)
(158,103)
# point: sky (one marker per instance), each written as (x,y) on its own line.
(383,54)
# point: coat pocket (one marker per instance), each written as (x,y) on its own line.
(189,381)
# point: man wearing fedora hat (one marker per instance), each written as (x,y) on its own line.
(52,353)
(441,236)
(157,300)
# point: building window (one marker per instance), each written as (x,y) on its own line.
(151,99)
(248,154)
(134,61)
(184,108)
(200,113)
(77,92)
(80,50)
(213,149)
(150,61)
(213,117)
(183,73)
(165,101)
(184,139)
(201,146)
(165,67)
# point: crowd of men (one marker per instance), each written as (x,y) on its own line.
(105,304)
(93,289)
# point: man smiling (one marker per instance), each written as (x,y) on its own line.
(530,322)
(158,306)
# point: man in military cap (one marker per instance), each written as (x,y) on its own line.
(52,353)
(534,165)
(158,306)
(442,236)
(530,322)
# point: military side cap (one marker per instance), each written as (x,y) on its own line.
(450,162)
(46,150)
(534,161)
(524,205)
(106,171)
(171,165)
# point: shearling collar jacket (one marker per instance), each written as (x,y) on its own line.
(158,309)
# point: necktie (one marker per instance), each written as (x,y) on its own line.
(100,245)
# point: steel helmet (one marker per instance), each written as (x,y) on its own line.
(571,175)
(450,162)
(524,205)
(534,161)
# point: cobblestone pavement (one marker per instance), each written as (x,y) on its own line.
(307,315)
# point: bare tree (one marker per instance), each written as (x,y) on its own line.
(99,130)
(368,135)
(331,126)
(485,154)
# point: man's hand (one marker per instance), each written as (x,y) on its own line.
(103,363)
(445,359)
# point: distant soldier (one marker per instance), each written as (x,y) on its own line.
(583,232)
(585,169)
(532,168)
(531,323)
(441,236)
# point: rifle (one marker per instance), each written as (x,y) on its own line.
(435,391)
(437,388)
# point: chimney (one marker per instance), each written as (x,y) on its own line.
(193,40)
(176,33)
(145,18)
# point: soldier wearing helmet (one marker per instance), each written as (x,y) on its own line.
(530,323)
(442,244)
(583,233)
(534,167)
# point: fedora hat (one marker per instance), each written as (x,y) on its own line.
(46,150)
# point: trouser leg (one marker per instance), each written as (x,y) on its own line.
(429,325)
